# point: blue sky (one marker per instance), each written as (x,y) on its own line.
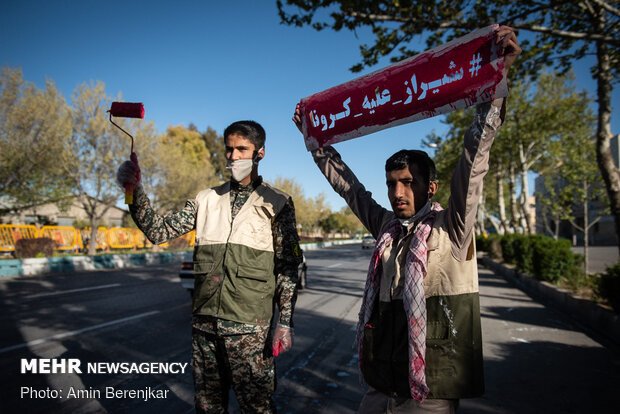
(210,63)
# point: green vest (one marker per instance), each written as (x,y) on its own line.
(234,260)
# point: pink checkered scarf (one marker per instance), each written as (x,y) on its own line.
(413,296)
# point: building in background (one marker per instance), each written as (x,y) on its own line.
(53,214)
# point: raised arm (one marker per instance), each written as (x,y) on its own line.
(466,184)
(346,184)
(157,228)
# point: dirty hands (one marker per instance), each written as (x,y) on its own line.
(508,46)
(282,339)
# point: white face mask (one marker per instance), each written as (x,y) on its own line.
(239,169)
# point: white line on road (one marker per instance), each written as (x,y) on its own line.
(335,265)
(38,295)
(76,332)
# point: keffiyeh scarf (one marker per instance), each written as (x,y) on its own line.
(413,295)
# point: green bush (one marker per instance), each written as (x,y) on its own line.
(553,260)
(609,286)
(523,250)
(40,247)
(482,243)
(490,244)
(508,249)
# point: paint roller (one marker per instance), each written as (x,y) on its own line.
(127,110)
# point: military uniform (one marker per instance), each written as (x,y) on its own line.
(231,340)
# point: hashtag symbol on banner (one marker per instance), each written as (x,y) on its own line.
(475,65)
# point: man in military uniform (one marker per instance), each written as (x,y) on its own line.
(245,260)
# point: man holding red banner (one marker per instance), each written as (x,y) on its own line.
(419,334)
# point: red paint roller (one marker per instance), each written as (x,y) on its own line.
(127,110)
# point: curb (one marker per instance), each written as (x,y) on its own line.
(320,245)
(40,266)
(593,316)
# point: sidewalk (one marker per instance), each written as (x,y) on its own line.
(591,316)
(538,360)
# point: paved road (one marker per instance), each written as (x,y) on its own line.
(600,257)
(536,360)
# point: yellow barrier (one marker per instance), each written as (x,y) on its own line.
(10,233)
(101,237)
(121,238)
(66,238)
(190,237)
(70,238)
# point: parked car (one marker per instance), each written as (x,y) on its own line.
(368,242)
(186,274)
(187,271)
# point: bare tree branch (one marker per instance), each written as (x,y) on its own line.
(568,34)
(398,19)
(607,7)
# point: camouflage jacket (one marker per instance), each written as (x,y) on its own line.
(162,228)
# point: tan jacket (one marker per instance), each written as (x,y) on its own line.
(454,340)
(234,260)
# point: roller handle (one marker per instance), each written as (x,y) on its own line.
(130,187)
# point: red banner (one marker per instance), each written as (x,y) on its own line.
(461,73)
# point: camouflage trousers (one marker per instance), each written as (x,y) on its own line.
(242,361)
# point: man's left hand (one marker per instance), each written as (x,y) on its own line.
(508,46)
(282,339)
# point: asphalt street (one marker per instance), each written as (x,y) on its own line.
(536,359)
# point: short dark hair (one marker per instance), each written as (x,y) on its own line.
(406,158)
(251,130)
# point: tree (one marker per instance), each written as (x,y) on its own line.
(95,149)
(183,168)
(217,147)
(542,127)
(34,126)
(574,182)
(559,33)
(308,212)
(350,223)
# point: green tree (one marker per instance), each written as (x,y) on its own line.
(542,125)
(34,127)
(183,168)
(351,224)
(308,211)
(329,224)
(559,33)
(217,147)
(96,148)
(574,182)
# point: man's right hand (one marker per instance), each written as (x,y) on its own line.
(128,174)
(297,118)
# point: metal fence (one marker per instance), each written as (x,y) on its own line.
(72,239)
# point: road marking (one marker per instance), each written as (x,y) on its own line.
(76,332)
(335,265)
(38,295)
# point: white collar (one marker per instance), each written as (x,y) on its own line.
(423,211)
